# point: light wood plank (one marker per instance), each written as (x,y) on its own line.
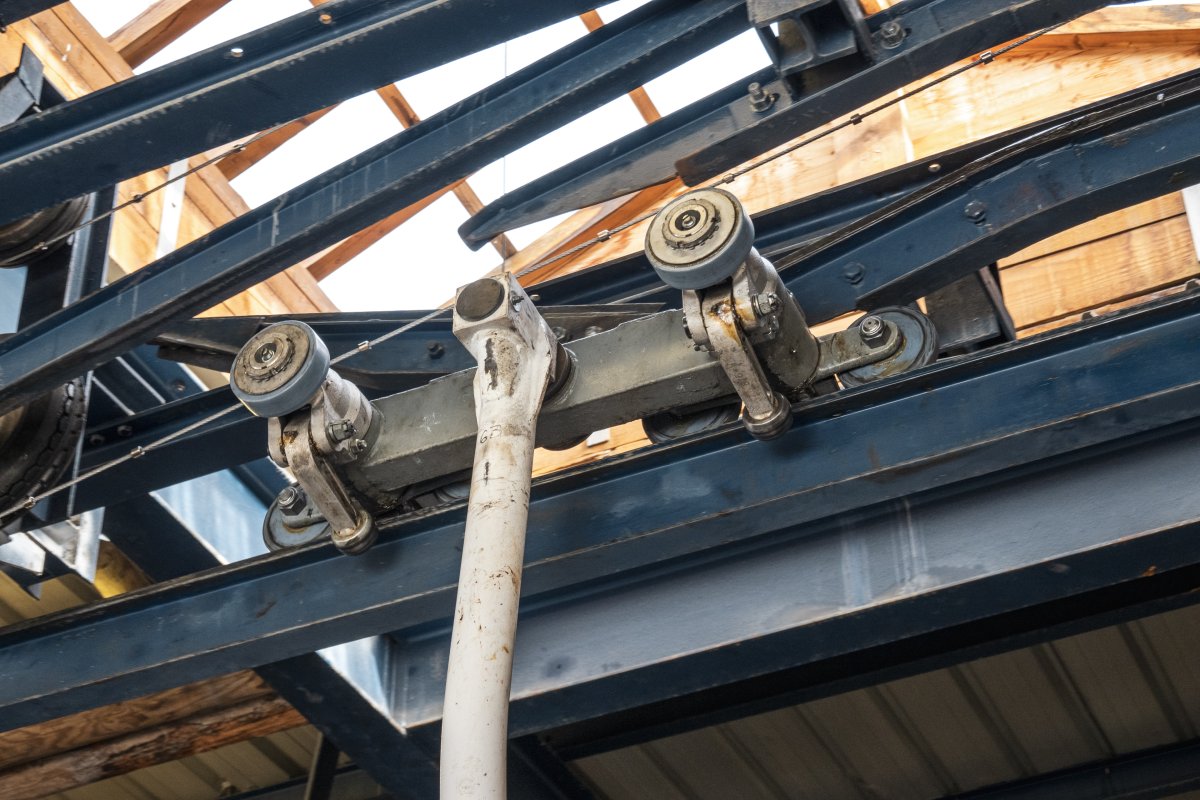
(154,29)
(1109,270)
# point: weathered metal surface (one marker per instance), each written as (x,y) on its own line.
(301,64)
(444,148)
(1078,396)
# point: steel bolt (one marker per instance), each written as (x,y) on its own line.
(358,447)
(976,210)
(765,304)
(592,330)
(853,272)
(435,349)
(341,430)
(891,34)
(95,440)
(291,500)
(125,431)
(872,329)
(760,99)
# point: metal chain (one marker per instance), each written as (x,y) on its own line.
(603,236)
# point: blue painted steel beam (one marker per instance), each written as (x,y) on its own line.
(788,522)
(347,691)
(13,10)
(724,130)
(938,34)
(442,149)
(1099,163)
(246,85)
(1147,775)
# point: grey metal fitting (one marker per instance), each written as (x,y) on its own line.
(699,239)
(760,99)
(892,34)
(773,425)
(291,500)
(340,430)
(280,370)
(873,330)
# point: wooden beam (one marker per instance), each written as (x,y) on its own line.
(162,23)
(78,731)
(1118,26)
(147,748)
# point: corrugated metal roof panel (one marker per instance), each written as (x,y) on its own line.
(1075,701)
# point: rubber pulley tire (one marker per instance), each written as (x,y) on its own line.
(17,239)
(37,442)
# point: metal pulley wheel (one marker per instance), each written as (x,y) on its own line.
(280,369)
(918,345)
(37,442)
(668,426)
(699,239)
(20,240)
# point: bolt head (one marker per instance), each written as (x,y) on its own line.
(291,500)
(873,330)
(853,273)
(976,210)
(891,34)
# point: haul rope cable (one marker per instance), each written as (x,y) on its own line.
(603,236)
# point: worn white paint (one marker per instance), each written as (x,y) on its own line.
(515,350)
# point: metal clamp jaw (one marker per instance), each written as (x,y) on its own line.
(317,421)
(737,307)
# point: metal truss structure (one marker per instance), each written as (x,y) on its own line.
(654,594)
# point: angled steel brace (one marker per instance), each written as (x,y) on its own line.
(301,64)
(442,149)
(1102,161)
(726,128)
(1116,397)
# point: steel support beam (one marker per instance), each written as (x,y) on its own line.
(1101,162)
(309,61)
(726,129)
(803,526)
(14,10)
(585,74)
(1150,774)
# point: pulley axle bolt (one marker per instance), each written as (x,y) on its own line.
(873,330)
(267,353)
(891,34)
(291,500)
(760,99)
(976,210)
